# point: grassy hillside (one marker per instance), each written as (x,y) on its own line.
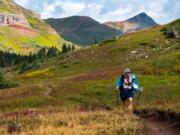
(23,39)
(84,81)
(9,7)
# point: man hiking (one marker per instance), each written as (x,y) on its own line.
(127,83)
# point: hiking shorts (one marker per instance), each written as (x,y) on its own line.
(126,94)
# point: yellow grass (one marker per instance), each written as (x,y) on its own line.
(38,73)
(79,123)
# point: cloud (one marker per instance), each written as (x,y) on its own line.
(72,7)
(61,9)
(23,3)
(162,11)
(95,13)
(48,10)
(155,10)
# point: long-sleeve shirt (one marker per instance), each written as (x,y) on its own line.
(121,82)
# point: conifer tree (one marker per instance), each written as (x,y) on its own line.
(64,48)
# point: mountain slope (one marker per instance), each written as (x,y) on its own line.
(138,22)
(64,95)
(88,74)
(82,30)
(22,31)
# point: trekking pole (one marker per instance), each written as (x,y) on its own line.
(139,95)
(117,97)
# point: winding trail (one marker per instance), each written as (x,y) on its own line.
(158,127)
(159,122)
(48,90)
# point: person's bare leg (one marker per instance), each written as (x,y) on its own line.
(130,104)
(123,104)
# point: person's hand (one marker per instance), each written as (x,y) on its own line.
(141,89)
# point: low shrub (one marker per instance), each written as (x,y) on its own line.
(4,83)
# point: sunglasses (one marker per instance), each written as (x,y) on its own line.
(128,72)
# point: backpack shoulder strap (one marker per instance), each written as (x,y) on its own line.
(122,80)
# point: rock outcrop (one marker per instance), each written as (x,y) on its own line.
(176,34)
(13,19)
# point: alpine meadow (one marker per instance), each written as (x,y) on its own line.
(58,75)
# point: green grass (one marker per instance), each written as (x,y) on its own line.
(160,92)
(85,80)
(7,7)
(89,81)
(26,40)
(24,103)
(21,43)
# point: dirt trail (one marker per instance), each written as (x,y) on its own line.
(159,127)
(160,123)
(48,90)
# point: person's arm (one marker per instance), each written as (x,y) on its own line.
(118,83)
(135,84)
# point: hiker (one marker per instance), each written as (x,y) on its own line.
(127,83)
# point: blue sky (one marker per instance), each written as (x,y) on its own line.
(162,11)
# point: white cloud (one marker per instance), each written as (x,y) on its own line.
(95,13)
(72,7)
(47,10)
(23,3)
(69,8)
(156,9)
(96,8)
(120,12)
(104,10)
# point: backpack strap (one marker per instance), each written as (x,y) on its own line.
(122,81)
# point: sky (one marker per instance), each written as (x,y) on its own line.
(162,11)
